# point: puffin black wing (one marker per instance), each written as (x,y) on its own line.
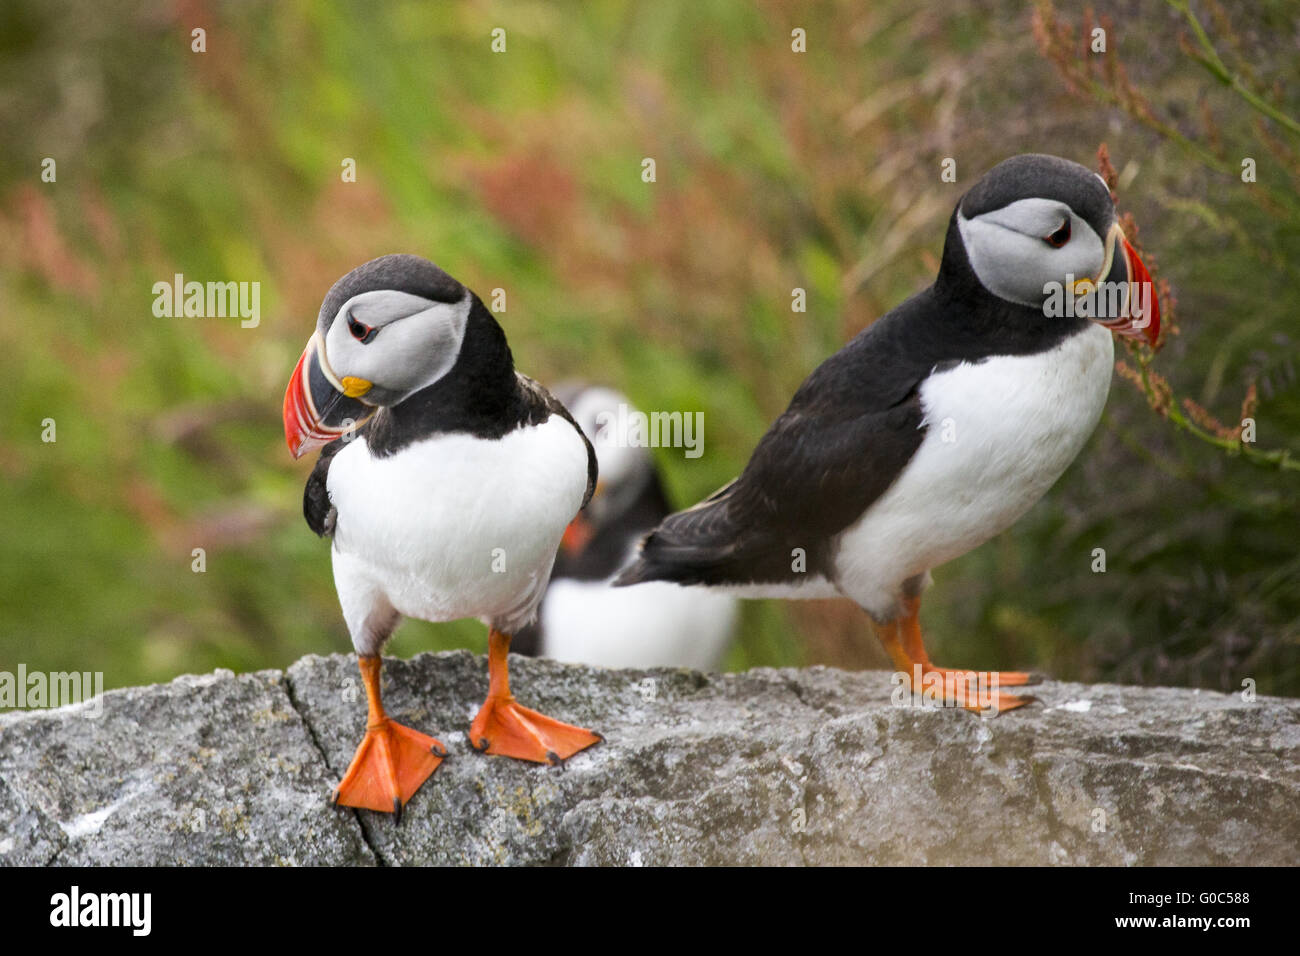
(316,505)
(850,430)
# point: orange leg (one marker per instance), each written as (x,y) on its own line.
(910,626)
(888,635)
(902,641)
(392,761)
(505,727)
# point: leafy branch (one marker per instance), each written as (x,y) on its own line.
(1105,79)
(1186,414)
(1209,58)
(1197,421)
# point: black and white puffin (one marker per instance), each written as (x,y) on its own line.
(446,481)
(937,426)
(583,619)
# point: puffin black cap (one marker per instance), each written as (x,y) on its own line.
(400,272)
(987,263)
(1048,177)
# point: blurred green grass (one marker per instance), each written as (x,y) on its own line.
(522,171)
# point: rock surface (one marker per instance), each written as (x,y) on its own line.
(764,767)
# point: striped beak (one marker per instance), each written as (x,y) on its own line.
(318,407)
(1130,308)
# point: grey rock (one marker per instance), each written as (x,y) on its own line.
(811,766)
(205,770)
(27,836)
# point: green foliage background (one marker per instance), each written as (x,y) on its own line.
(521,170)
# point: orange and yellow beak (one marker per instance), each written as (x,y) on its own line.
(1138,312)
(318,407)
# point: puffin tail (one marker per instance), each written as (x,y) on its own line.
(696,546)
(651,564)
(642,569)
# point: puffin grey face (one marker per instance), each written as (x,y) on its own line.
(386,330)
(1035,226)
(1028,244)
(385,345)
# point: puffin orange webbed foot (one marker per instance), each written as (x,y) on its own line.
(391,762)
(506,728)
(1003,678)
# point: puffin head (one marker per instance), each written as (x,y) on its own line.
(386,330)
(1038,228)
(624,465)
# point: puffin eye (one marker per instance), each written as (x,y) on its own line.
(360,331)
(1060,237)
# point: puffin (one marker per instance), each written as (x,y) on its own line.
(657,624)
(936,427)
(445,482)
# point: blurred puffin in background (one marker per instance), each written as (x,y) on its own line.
(446,482)
(583,619)
(937,426)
